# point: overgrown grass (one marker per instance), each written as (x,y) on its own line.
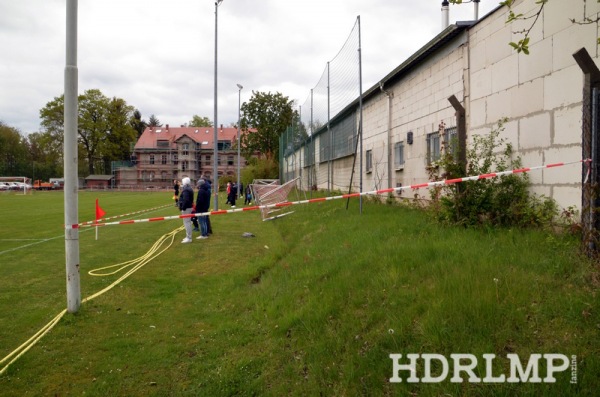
(313,305)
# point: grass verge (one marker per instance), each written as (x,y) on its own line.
(314,304)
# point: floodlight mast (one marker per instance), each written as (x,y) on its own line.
(215,186)
(240,88)
(70,162)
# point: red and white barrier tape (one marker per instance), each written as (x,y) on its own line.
(121,216)
(343,196)
(93,223)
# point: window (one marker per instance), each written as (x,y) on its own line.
(451,140)
(224,145)
(162,143)
(369,161)
(175,159)
(229,160)
(433,147)
(185,147)
(151,159)
(399,155)
(207,159)
(184,166)
(163,159)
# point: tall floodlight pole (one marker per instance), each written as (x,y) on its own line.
(238,134)
(70,162)
(216,137)
(360,105)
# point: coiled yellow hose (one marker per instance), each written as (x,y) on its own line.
(137,264)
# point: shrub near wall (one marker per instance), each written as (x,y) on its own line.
(502,201)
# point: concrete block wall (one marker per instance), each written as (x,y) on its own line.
(539,94)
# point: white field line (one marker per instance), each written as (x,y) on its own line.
(40,241)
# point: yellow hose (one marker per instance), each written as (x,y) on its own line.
(137,263)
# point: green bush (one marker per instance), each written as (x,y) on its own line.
(503,200)
(260,169)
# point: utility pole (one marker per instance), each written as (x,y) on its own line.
(70,163)
(215,186)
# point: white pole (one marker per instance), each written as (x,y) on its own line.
(215,185)
(360,105)
(238,136)
(70,162)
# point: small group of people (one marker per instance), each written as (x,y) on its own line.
(187,206)
(184,199)
(232,193)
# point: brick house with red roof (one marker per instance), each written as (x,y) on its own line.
(163,154)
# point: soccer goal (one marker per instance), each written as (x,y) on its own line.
(15,184)
(268,192)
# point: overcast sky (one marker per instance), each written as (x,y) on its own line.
(158,55)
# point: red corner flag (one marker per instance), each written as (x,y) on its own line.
(99,211)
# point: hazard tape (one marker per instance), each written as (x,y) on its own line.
(444,182)
(121,216)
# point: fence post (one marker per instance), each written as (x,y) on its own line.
(461,131)
(590,150)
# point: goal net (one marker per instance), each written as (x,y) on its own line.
(269,192)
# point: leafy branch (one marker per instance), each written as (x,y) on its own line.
(523,44)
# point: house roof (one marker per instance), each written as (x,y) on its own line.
(202,135)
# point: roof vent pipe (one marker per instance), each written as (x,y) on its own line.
(445,14)
(476,9)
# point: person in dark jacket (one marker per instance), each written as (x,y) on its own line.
(248,196)
(233,195)
(176,189)
(202,205)
(186,201)
(209,184)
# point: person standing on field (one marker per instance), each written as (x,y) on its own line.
(186,201)
(202,204)
(209,187)
(176,189)
(228,192)
(233,194)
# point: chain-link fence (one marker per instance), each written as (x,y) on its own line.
(309,146)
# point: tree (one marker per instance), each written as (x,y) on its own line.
(120,135)
(46,154)
(268,115)
(154,122)
(14,158)
(104,126)
(198,121)
(138,124)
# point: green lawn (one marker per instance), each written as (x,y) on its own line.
(313,305)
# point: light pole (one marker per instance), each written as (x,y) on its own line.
(238,135)
(216,138)
(70,162)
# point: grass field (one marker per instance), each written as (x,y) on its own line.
(313,305)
